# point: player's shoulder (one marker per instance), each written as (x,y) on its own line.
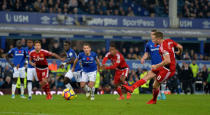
(93,53)
(33,51)
(81,53)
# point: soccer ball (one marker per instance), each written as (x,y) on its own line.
(68,94)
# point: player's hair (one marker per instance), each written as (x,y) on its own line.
(29,40)
(86,44)
(113,45)
(158,35)
(37,42)
(67,42)
(153,30)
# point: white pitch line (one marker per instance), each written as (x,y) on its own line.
(20,113)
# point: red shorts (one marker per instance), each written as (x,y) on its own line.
(119,73)
(163,74)
(42,73)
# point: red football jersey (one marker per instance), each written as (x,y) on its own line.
(167,47)
(118,61)
(40,58)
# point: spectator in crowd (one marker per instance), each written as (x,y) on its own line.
(1,81)
(187,78)
(146,87)
(7,72)
(195,68)
(56,47)
(207,84)
(8,83)
(53,67)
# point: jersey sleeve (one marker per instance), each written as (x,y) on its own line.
(105,58)
(146,49)
(72,54)
(174,43)
(95,56)
(11,51)
(165,50)
(47,53)
(116,63)
(79,56)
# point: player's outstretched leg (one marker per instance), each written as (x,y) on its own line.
(45,86)
(14,87)
(22,88)
(29,89)
(135,85)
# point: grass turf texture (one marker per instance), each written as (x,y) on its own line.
(106,105)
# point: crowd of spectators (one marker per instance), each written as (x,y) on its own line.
(152,8)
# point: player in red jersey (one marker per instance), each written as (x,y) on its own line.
(121,69)
(162,71)
(39,61)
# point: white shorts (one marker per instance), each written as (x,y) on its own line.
(31,73)
(76,75)
(20,72)
(88,76)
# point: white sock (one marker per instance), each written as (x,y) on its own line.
(13,89)
(92,91)
(68,85)
(86,88)
(29,88)
(22,89)
(163,88)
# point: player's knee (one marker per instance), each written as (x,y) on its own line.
(66,80)
(21,80)
(14,81)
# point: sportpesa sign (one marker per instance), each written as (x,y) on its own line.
(95,20)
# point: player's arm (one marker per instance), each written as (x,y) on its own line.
(75,62)
(166,61)
(98,63)
(145,56)
(30,62)
(180,49)
(57,56)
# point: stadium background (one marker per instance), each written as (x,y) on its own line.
(126,22)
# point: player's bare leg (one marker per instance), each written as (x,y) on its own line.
(142,81)
(155,92)
(22,88)
(86,88)
(45,86)
(14,81)
(67,84)
(92,89)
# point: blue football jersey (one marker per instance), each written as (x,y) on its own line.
(88,62)
(27,50)
(72,54)
(18,56)
(153,51)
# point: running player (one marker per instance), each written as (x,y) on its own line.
(121,69)
(18,66)
(89,69)
(39,61)
(31,71)
(71,55)
(162,71)
(152,50)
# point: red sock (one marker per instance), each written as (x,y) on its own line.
(46,88)
(119,91)
(139,83)
(155,93)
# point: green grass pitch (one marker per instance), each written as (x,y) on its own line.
(106,105)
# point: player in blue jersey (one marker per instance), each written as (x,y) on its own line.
(152,50)
(31,71)
(19,55)
(71,56)
(90,65)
